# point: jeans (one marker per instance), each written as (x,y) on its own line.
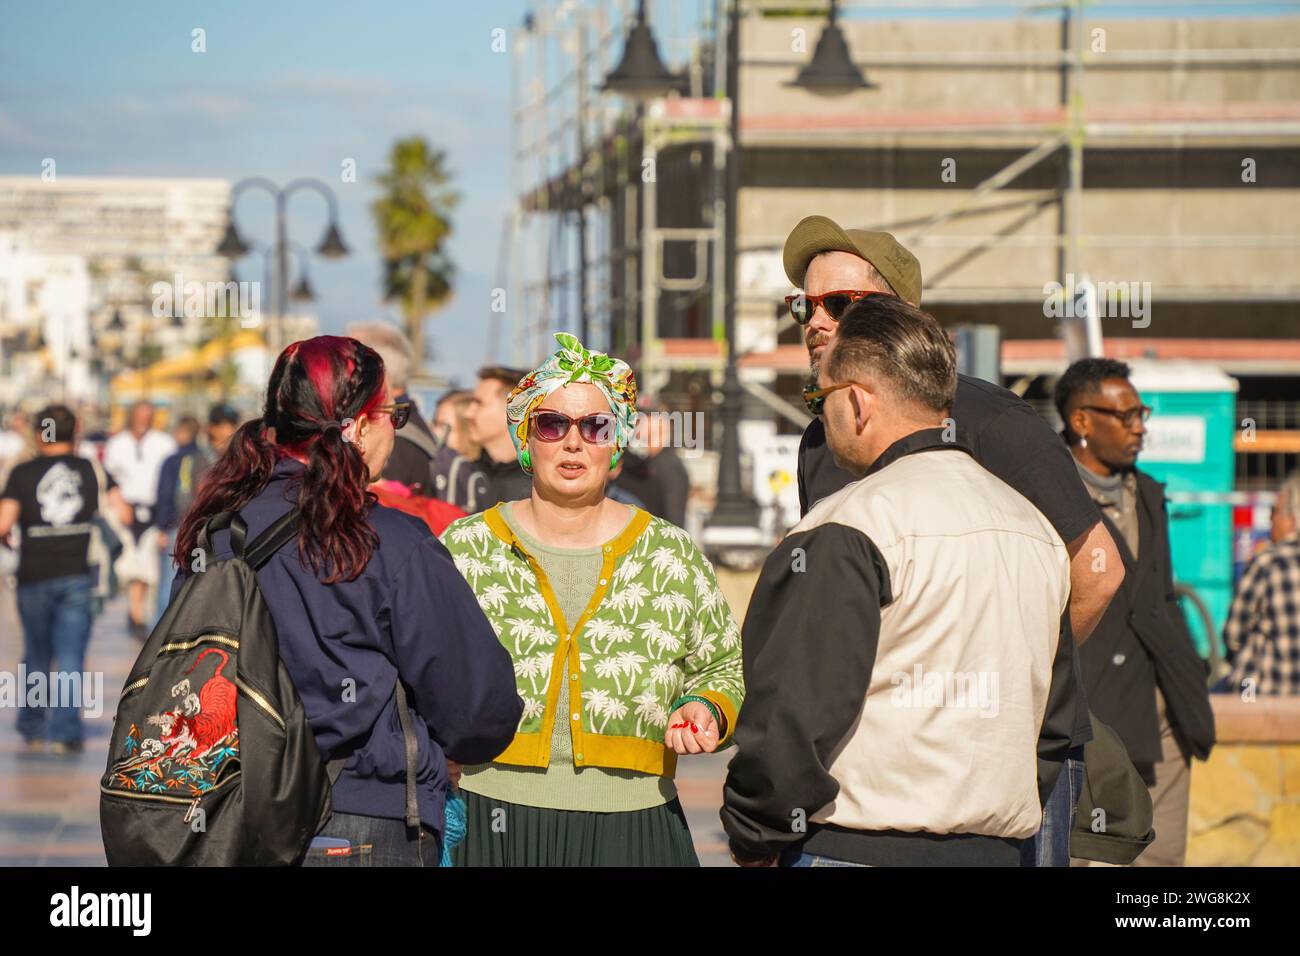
(813,859)
(375,841)
(56,629)
(166,574)
(1050,846)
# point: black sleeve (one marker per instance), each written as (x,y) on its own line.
(809,646)
(676,489)
(799,473)
(13,488)
(1061,718)
(1023,451)
(409,466)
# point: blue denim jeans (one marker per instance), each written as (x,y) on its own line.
(374,841)
(56,629)
(166,575)
(814,859)
(1050,846)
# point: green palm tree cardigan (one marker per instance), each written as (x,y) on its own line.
(656,628)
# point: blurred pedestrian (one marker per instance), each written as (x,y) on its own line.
(367,600)
(1262,633)
(834,267)
(223,422)
(653,471)
(625,651)
(411,463)
(1141,671)
(901,646)
(178,479)
(498,476)
(15,442)
(134,457)
(454,469)
(54,499)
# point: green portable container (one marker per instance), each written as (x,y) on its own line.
(1189,447)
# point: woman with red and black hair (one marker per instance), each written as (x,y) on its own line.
(368,595)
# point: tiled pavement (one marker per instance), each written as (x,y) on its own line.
(49,805)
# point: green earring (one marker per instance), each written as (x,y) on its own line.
(614,458)
(526,461)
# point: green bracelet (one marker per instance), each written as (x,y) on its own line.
(713,708)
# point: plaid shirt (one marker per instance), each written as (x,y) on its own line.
(1262,633)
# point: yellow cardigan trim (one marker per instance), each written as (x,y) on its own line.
(726,707)
(534,750)
(617,753)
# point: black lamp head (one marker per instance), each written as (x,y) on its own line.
(332,247)
(641,74)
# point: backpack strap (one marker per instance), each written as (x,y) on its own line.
(264,547)
(412,755)
(334,768)
(220,522)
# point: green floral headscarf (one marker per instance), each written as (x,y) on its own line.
(573,363)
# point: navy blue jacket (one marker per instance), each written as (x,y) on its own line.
(410,612)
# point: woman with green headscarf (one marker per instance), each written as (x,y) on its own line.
(626,653)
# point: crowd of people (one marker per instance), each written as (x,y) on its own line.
(973,623)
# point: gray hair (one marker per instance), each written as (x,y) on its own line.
(1289,491)
(393,347)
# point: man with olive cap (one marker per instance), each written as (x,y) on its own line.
(834,267)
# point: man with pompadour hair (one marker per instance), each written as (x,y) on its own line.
(834,267)
(903,582)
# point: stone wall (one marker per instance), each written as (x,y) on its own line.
(1245,801)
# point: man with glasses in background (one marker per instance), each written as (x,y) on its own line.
(835,267)
(1141,670)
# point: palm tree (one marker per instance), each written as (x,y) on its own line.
(413,219)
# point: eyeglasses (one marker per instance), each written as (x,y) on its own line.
(595,429)
(399,412)
(1129,416)
(815,398)
(802,306)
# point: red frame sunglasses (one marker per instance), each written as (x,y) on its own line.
(803,306)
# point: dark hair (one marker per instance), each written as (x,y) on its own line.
(315,386)
(885,336)
(509,377)
(457,396)
(64,421)
(188,422)
(1083,377)
(223,415)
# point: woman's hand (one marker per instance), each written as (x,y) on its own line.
(453,771)
(692,729)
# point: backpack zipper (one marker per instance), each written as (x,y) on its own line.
(193,802)
(257,698)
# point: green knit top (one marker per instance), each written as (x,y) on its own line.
(561,785)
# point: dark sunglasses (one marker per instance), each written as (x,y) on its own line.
(399,412)
(814,398)
(595,429)
(802,306)
(1129,416)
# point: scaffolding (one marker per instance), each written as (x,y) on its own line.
(617,226)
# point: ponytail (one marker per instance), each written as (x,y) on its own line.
(315,385)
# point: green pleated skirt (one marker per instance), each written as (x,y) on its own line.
(511,834)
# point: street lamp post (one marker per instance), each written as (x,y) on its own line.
(734,507)
(331,245)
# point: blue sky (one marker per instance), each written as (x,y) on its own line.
(284,90)
(290,89)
